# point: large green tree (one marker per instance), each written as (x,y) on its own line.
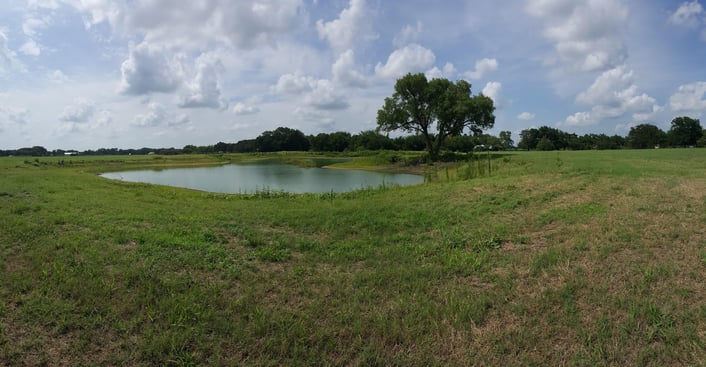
(684,132)
(646,136)
(435,109)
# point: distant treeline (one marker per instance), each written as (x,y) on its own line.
(685,132)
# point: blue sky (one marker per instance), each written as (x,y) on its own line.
(86,74)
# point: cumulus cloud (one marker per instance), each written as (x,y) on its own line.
(526,116)
(344,71)
(318,93)
(205,89)
(243,24)
(586,33)
(581,119)
(32,25)
(689,14)
(150,69)
(8,59)
(79,112)
(407,35)
(405,60)
(689,98)
(448,72)
(241,108)
(30,48)
(351,26)
(322,120)
(58,77)
(483,68)
(613,94)
(18,116)
(158,116)
(492,90)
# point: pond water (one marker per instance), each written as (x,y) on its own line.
(250,178)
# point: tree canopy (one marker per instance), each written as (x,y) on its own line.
(685,132)
(645,136)
(421,106)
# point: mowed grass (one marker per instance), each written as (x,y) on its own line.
(568,258)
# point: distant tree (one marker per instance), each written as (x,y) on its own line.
(189,149)
(684,132)
(529,139)
(282,139)
(220,147)
(334,142)
(371,140)
(545,144)
(506,140)
(645,136)
(35,151)
(702,141)
(420,106)
(410,142)
(461,143)
(245,146)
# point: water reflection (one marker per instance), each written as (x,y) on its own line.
(234,178)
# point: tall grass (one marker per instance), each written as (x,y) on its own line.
(554,258)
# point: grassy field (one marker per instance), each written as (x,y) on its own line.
(557,258)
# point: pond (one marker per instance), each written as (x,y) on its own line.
(250,178)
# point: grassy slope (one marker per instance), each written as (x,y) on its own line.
(578,258)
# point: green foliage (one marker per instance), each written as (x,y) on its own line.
(545,144)
(418,105)
(684,132)
(646,136)
(282,139)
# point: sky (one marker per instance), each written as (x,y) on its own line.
(89,74)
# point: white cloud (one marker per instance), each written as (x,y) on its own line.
(32,26)
(586,33)
(689,98)
(18,116)
(526,116)
(243,24)
(30,48)
(58,77)
(483,68)
(80,111)
(8,59)
(448,72)
(614,94)
(322,120)
(241,108)
(149,69)
(205,90)
(689,14)
(46,4)
(319,93)
(411,58)
(325,96)
(492,90)
(434,73)
(344,71)
(407,35)
(158,116)
(580,119)
(351,26)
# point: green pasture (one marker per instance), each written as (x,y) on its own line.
(544,258)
